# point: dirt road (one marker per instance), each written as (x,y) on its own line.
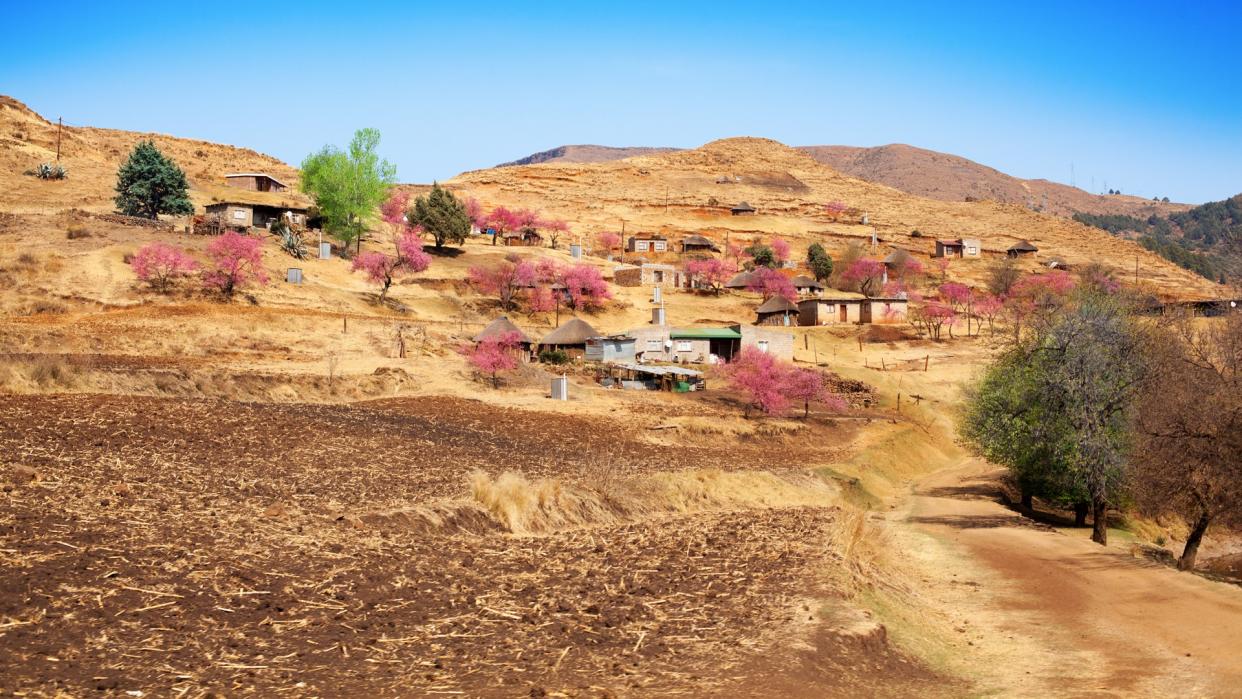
(1044,612)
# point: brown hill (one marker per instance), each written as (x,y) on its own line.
(953,178)
(92,156)
(691,191)
(586,154)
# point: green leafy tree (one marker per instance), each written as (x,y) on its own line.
(819,261)
(761,255)
(348,186)
(149,184)
(442,215)
(1064,400)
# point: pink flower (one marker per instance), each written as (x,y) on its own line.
(160,264)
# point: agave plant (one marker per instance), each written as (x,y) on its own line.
(49,171)
(292,243)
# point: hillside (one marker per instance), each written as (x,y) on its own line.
(586,154)
(918,171)
(92,156)
(953,178)
(691,191)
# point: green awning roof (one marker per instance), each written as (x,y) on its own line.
(704,334)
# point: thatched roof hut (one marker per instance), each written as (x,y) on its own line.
(572,333)
(804,283)
(499,327)
(741,280)
(777,310)
(1020,248)
(697,242)
(742,208)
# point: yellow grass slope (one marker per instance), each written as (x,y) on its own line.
(692,191)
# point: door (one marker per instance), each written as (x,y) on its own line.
(844,312)
(864,312)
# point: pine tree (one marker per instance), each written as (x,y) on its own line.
(149,184)
(442,215)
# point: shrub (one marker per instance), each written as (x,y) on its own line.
(554,356)
(235,262)
(49,171)
(77,231)
(160,264)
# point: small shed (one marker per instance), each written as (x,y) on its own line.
(653,274)
(777,310)
(254,182)
(629,375)
(807,286)
(962,247)
(741,280)
(627,275)
(614,348)
(742,209)
(648,242)
(1021,249)
(527,237)
(571,337)
(698,243)
(501,326)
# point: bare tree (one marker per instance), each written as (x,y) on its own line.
(1188,455)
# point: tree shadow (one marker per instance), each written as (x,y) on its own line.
(444,251)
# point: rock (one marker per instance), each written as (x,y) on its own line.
(275,511)
(22,475)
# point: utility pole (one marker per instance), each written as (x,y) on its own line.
(59,124)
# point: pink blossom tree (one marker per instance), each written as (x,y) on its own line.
(988,307)
(942,266)
(711,273)
(806,386)
(932,316)
(608,240)
(556,228)
(392,211)
(780,250)
(585,287)
(493,355)
(474,210)
(959,297)
(866,273)
(160,265)
(835,209)
(760,378)
(383,269)
(769,283)
(505,280)
(501,221)
(234,261)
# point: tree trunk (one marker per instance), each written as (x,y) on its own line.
(1187,561)
(1028,500)
(1099,524)
(1080,514)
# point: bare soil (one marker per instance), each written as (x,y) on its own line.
(172,546)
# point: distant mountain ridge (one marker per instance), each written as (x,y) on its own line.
(919,171)
(586,153)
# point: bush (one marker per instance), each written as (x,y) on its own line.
(77,231)
(49,171)
(554,356)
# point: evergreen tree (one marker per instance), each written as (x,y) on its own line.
(149,184)
(820,261)
(348,187)
(442,215)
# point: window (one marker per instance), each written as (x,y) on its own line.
(830,308)
(640,245)
(655,344)
(660,246)
(972,250)
(239,214)
(685,346)
(659,276)
(762,345)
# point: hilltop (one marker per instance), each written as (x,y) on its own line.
(692,191)
(920,171)
(585,154)
(954,178)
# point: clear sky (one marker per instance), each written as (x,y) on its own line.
(1144,96)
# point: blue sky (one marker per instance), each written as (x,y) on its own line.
(1144,96)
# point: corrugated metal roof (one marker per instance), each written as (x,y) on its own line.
(704,334)
(657,370)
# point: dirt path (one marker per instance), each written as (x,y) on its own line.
(1040,611)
